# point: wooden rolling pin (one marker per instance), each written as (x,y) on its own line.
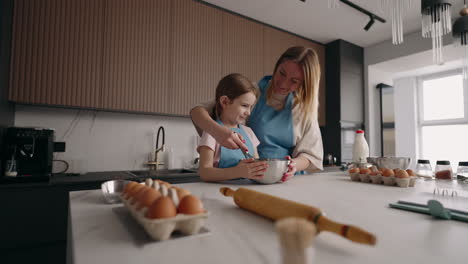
(277,208)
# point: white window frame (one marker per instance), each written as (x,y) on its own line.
(453,121)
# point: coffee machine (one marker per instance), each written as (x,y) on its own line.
(27,154)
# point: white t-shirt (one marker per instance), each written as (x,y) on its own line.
(209,141)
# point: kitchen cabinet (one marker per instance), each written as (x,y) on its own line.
(345,97)
(137,56)
(196,55)
(33,225)
(243,47)
(56,55)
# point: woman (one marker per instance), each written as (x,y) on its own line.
(284,118)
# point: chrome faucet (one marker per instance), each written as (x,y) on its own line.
(156,163)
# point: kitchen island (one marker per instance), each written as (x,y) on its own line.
(103,233)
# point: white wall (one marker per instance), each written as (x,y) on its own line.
(406,120)
(105,141)
(383,62)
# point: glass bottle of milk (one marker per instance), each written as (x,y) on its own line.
(360,147)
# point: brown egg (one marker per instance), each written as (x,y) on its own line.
(181,193)
(388,173)
(147,198)
(136,195)
(133,190)
(364,171)
(410,172)
(374,173)
(401,174)
(382,169)
(129,186)
(190,204)
(354,170)
(163,207)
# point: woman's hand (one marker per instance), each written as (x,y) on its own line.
(251,169)
(291,169)
(230,139)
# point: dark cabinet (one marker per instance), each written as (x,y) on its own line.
(345,98)
(33,223)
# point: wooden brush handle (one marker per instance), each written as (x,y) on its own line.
(275,208)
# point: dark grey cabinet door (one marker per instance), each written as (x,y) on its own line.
(352,103)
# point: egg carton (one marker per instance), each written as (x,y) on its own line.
(161,229)
(385,180)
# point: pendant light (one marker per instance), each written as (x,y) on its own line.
(436,22)
(460,37)
(395,10)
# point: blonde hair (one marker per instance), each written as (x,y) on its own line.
(233,86)
(307,96)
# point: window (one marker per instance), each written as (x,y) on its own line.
(443,117)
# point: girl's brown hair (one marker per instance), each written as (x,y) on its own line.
(307,96)
(233,86)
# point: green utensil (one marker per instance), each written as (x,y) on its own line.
(434,208)
(437,210)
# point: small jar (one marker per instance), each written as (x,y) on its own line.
(424,169)
(462,171)
(443,170)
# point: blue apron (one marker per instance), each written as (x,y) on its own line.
(273,128)
(231,157)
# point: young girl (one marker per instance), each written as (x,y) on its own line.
(235,98)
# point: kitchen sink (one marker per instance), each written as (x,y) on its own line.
(164,173)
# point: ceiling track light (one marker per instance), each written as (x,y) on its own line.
(370,23)
(371,15)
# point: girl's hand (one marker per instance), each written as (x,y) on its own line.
(251,169)
(230,139)
(291,169)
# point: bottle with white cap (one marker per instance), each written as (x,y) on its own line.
(360,147)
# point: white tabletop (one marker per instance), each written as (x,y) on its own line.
(103,233)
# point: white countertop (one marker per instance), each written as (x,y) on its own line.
(103,233)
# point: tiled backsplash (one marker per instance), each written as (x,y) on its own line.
(104,141)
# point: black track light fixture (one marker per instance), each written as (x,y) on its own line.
(370,23)
(371,15)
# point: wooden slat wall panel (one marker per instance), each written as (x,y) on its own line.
(197,53)
(142,55)
(276,42)
(56,53)
(242,46)
(137,55)
(320,49)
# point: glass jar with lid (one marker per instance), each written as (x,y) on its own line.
(443,170)
(424,169)
(462,171)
